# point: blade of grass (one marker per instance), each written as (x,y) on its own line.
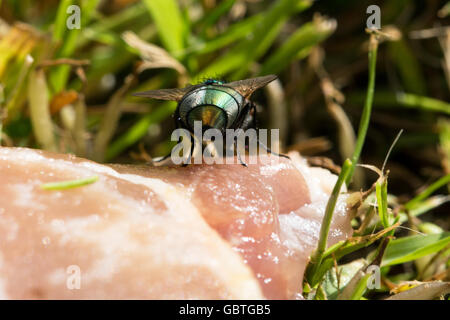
(408,66)
(110,120)
(211,17)
(169,22)
(317,257)
(307,36)
(381,193)
(139,129)
(365,118)
(424,103)
(40,110)
(387,99)
(80,127)
(240,57)
(59,75)
(444,143)
(16,92)
(356,287)
(59,28)
(334,283)
(234,32)
(425,291)
(413,247)
(64,185)
(111,22)
(339,251)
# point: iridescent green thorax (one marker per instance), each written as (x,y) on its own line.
(216,106)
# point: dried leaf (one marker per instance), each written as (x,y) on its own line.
(62,99)
(425,291)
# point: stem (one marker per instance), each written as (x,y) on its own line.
(326,222)
(365,118)
(110,120)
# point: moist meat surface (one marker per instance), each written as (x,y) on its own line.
(199,232)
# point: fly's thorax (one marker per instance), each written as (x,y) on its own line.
(215,106)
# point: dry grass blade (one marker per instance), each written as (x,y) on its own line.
(425,291)
(278,109)
(311,146)
(349,290)
(80,127)
(13,96)
(57,62)
(333,99)
(153,56)
(109,123)
(40,110)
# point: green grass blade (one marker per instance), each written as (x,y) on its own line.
(341,250)
(365,118)
(423,103)
(317,257)
(102,28)
(139,129)
(240,57)
(387,99)
(59,28)
(360,288)
(444,143)
(408,66)
(64,185)
(346,272)
(305,37)
(211,17)
(169,22)
(381,193)
(414,247)
(60,74)
(235,32)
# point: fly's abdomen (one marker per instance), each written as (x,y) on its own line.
(214,106)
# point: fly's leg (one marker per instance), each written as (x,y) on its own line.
(253,108)
(159,161)
(238,153)
(272,152)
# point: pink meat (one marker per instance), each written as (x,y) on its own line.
(199,232)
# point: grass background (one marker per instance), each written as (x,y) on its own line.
(70,91)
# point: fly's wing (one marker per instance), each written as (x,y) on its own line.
(166,94)
(248,86)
